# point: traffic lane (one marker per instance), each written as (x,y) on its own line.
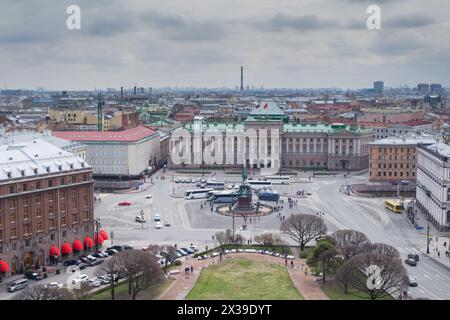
(431,277)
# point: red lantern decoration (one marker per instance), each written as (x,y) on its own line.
(104,234)
(88,243)
(77,245)
(98,239)
(4,266)
(54,251)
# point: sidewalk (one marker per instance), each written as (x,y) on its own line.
(438,251)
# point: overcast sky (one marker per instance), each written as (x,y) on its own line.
(280,43)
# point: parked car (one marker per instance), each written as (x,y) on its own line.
(91,258)
(177,180)
(103,279)
(102,254)
(183,252)
(17,285)
(149,196)
(71,262)
(83,258)
(82,266)
(96,262)
(414,257)
(117,248)
(94,282)
(158,225)
(111,251)
(125,203)
(411,262)
(139,219)
(127,247)
(80,278)
(157,217)
(33,275)
(96,255)
(404,182)
(190,251)
(194,248)
(412,282)
(54,285)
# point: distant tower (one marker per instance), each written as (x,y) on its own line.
(121,94)
(242,78)
(99,114)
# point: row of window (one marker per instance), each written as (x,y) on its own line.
(394,174)
(50,183)
(393,165)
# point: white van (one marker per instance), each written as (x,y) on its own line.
(17,285)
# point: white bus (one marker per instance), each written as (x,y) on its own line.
(228,196)
(196,194)
(216,185)
(258,185)
(279,179)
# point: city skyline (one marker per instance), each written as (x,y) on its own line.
(281,44)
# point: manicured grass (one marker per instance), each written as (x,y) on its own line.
(242,279)
(335,292)
(121,292)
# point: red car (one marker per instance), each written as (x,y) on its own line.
(125,203)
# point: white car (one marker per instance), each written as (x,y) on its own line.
(167,223)
(80,278)
(149,196)
(54,285)
(139,219)
(158,225)
(94,282)
(157,217)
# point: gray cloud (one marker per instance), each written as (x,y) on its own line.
(409,21)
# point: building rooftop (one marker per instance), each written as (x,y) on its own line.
(18,137)
(34,158)
(323,128)
(440,148)
(406,140)
(130,135)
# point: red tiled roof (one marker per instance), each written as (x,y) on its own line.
(130,135)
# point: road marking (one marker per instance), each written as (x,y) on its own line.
(183,215)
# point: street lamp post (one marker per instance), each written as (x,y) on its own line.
(320,214)
(428,235)
(97,227)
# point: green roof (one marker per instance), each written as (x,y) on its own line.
(322,128)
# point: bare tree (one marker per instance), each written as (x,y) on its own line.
(382,249)
(303,228)
(349,243)
(82,293)
(167,251)
(141,270)
(268,239)
(221,238)
(239,239)
(110,268)
(376,274)
(40,292)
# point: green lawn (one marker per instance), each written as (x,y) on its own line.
(335,292)
(121,292)
(241,279)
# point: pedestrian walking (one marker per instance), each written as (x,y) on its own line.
(292,264)
(439,254)
(306,271)
(192,269)
(285,262)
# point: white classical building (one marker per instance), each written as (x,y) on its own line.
(128,153)
(433,183)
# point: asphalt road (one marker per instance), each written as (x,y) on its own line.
(190,224)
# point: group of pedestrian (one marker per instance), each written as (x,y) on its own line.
(188,270)
(280,217)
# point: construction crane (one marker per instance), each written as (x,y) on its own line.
(100,105)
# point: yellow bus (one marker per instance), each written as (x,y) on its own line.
(393,205)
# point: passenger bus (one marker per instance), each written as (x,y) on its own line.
(258,185)
(228,196)
(216,185)
(279,179)
(196,194)
(393,205)
(269,196)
